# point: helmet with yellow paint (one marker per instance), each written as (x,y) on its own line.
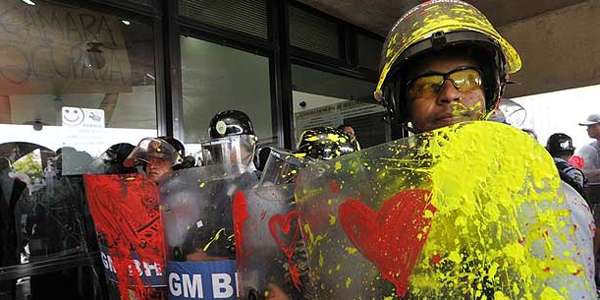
(325,143)
(435,26)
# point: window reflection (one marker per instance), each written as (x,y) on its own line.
(217,78)
(325,99)
(73,82)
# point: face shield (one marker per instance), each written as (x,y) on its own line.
(152,149)
(231,152)
(281,168)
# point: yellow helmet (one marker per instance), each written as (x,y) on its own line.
(434,25)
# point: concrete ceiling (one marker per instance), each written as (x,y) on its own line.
(378,16)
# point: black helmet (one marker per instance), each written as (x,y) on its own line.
(117,153)
(325,143)
(175,143)
(560,144)
(149,148)
(230,123)
(114,157)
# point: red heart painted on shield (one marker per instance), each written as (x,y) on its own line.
(393,237)
(286,234)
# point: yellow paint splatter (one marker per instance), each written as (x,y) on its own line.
(215,237)
(455,257)
(332,219)
(501,214)
(551,294)
(351,250)
(312,138)
(300,155)
(348,282)
(338,166)
(500,296)
(333,137)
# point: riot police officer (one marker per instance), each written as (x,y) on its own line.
(232,143)
(157,156)
(326,143)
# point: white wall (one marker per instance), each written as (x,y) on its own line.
(561,112)
(560,49)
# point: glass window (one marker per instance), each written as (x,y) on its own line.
(325,99)
(368,51)
(74,77)
(72,83)
(217,78)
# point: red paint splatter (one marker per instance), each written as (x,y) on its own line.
(240,216)
(334,186)
(284,224)
(547,269)
(125,210)
(393,237)
(577,161)
(436,259)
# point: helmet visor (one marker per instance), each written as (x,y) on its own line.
(150,149)
(231,151)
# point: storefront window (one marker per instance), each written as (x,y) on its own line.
(325,99)
(72,83)
(217,78)
(74,77)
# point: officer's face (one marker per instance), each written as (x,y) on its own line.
(594,131)
(349,130)
(431,109)
(157,168)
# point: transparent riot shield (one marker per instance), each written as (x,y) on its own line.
(465,212)
(270,251)
(281,168)
(46,235)
(125,209)
(271,256)
(197,210)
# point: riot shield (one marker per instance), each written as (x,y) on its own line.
(470,211)
(270,253)
(125,209)
(281,167)
(197,210)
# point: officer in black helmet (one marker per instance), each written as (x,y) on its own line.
(226,167)
(325,143)
(158,157)
(229,123)
(318,143)
(232,141)
(112,159)
(560,147)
